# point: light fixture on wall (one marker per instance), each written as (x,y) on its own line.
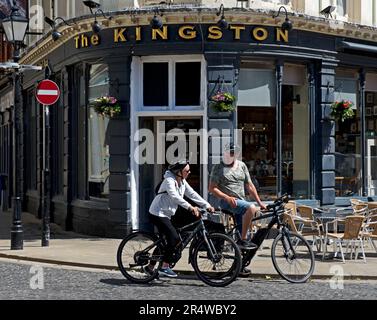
(327,11)
(156,23)
(222,23)
(55,33)
(96,26)
(287,24)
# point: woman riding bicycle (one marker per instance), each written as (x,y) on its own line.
(170,195)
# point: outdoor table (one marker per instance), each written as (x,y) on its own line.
(329,214)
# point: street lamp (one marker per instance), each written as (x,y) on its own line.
(15,29)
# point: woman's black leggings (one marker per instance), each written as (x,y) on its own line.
(166,228)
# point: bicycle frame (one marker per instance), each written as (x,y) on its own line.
(199,229)
(275,214)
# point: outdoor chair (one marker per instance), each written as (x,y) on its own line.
(352,235)
(291,205)
(355,202)
(369,231)
(305,227)
(360,209)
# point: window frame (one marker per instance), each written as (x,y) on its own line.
(171,60)
(89,138)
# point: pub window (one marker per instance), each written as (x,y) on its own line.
(347,138)
(98,144)
(371,132)
(171,84)
(156,84)
(187,83)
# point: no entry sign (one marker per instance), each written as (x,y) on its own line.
(47,92)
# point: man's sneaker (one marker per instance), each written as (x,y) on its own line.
(167,272)
(244,244)
(245,272)
(148,270)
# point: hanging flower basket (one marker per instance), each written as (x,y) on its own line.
(222,101)
(106,106)
(342,110)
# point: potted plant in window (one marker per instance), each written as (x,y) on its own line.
(106,106)
(342,110)
(222,101)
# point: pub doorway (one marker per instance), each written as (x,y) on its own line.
(173,136)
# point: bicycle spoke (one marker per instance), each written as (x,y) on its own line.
(296,264)
(136,252)
(221,268)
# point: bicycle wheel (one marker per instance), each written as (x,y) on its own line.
(135,252)
(294,264)
(225,265)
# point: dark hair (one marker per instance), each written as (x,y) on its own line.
(178,166)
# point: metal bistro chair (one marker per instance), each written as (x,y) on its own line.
(312,226)
(291,205)
(305,227)
(352,235)
(369,231)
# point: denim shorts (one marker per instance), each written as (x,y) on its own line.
(239,211)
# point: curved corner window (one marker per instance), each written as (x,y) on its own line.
(98,144)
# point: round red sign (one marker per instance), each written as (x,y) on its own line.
(47,92)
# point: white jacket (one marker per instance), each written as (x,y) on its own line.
(165,204)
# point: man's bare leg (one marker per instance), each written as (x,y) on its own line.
(246,221)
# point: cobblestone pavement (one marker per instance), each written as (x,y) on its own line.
(19,279)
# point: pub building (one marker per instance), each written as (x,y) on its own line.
(284,81)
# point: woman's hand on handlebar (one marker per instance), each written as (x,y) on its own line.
(195,211)
(211,209)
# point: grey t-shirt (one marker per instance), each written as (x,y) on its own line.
(231,181)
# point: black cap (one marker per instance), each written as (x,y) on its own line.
(231,147)
(179,165)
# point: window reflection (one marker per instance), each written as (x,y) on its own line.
(98,155)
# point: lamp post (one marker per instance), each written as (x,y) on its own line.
(15,29)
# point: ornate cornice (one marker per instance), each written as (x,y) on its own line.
(141,17)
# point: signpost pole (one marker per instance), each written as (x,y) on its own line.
(47,94)
(46,180)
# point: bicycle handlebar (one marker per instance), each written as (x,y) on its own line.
(278,202)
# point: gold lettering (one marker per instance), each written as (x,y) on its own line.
(77,38)
(258,37)
(94,39)
(215,33)
(191,34)
(281,35)
(84,41)
(162,33)
(138,33)
(119,36)
(237,31)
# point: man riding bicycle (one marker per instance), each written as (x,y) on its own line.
(170,195)
(227,182)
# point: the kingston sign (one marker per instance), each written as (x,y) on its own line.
(189,32)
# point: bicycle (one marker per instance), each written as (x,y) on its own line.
(215,257)
(288,248)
